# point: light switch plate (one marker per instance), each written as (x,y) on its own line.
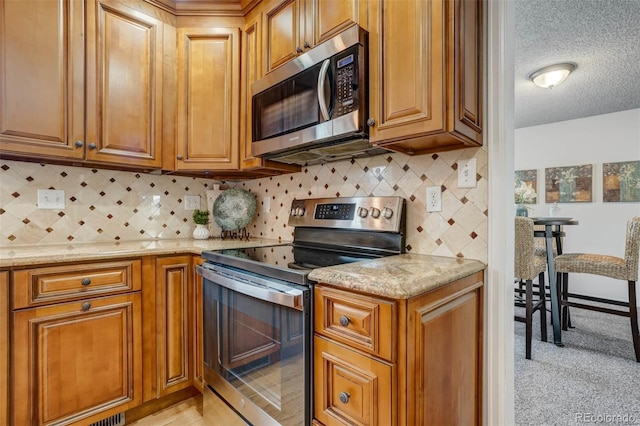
(467,173)
(434,199)
(52,199)
(266,204)
(191,202)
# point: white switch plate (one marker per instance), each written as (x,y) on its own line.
(467,173)
(52,199)
(191,202)
(266,204)
(434,199)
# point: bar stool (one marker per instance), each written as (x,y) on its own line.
(625,269)
(528,266)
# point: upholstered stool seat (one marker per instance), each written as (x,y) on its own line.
(597,264)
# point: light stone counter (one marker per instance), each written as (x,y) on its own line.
(79,252)
(398,277)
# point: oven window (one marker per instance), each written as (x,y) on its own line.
(258,348)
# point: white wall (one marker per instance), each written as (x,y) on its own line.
(593,140)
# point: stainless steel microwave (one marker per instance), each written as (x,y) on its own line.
(314,108)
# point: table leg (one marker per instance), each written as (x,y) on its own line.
(553,287)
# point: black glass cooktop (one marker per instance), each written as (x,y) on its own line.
(288,261)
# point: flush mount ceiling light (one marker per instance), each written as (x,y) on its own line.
(549,77)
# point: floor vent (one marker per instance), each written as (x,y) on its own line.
(115,420)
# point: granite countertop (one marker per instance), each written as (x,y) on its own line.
(398,277)
(78,252)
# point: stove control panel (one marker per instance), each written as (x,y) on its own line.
(370,213)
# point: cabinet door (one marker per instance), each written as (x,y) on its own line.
(329,17)
(124,85)
(4,348)
(42,78)
(444,330)
(197,315)
(77,361)
(173,297)
(350,388)
(208,99)
(281,32)
(406,41)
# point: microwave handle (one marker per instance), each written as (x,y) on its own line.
(322,77)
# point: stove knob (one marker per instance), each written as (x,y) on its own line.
(387,213)
(293,211)
(299,211)
(375,213)
(362,212)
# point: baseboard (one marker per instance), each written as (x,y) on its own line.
(156,405)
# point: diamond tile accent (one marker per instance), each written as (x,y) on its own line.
(113,205)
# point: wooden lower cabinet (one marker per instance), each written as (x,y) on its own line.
(173,325)
(4,348)
(76,362)
(432,374)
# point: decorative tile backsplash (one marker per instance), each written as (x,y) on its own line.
(106,205)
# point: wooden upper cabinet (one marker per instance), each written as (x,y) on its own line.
(42,78)
(291,27)
(329,17)
(124,85)
(425,67)
(208,93)
(282,32)
(252,54)
(46,77)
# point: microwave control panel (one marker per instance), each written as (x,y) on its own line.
(346,85)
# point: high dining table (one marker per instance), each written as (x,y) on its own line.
(553,229)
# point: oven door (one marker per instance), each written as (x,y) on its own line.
(257,345)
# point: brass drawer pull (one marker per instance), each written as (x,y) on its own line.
(86,306)
(86,281)
(344,320)
(344,397)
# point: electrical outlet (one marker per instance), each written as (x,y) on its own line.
(191,202)
(52,199)
(467,173)
(434,199)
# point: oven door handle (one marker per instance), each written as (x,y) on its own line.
(291,298)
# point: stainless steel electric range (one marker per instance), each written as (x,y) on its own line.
(258,310)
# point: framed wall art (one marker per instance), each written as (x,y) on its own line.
(621,182)
(526,179)
(573,184)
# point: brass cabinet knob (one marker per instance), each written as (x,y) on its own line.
(86,306)
(344,397)
(344,320)
(86,281)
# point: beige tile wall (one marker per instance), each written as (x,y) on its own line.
(106,205)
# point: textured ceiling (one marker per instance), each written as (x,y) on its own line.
(601,36)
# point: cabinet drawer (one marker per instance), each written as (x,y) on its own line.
(351,388)
(363,322)
(52,284)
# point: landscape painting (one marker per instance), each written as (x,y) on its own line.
(530,179)
(573,184)
(621,182)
